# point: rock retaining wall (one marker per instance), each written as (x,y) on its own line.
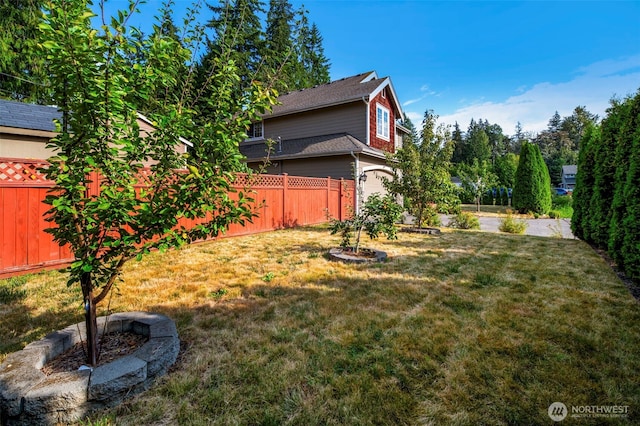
(29,397)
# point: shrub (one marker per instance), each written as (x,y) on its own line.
(464,220)
(379,214)
(532,189)
(512,225)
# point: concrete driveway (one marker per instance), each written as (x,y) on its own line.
(537,227)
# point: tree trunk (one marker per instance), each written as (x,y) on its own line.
(90,319)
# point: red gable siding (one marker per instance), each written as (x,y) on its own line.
(375,141)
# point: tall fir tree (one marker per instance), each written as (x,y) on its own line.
(279,53)
(237,31)
(311,66)
(477,145)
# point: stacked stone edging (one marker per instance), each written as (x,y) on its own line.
(29,397)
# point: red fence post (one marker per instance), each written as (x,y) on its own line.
(285,187)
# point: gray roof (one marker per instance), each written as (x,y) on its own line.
(337,92)
(569,170)
(28,116)
(316,146)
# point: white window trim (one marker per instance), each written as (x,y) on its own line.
(256,138)
(380,124)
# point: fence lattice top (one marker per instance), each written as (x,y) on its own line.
(23,172)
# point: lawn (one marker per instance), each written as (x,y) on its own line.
(461,328)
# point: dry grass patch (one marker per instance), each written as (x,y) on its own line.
(462,328)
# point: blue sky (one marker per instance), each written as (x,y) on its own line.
(501,61)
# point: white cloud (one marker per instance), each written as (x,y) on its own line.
(593,87)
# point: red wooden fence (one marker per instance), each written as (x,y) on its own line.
(282,201)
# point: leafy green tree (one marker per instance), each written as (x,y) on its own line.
(505,169)
(532,187)
(105,205)
(421,171)
(23,73)
(477,179)
(378,215)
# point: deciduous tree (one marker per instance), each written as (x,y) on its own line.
(105,205)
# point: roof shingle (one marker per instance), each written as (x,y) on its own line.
(28,116)
(337,92)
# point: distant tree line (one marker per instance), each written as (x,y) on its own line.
(607,193)
(272,44)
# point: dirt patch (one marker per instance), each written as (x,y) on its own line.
(111,346)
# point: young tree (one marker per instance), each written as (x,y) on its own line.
(477,178)
(106,206)
(421,171)
(532,187)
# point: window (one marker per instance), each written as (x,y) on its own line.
(255,130)
(382,122)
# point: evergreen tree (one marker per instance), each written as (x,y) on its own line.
(313,65)
(532,189)
(604,175)
(237,32)
(477,143)
(629,257)
(23,73)
(624,210)
(279,50)
(460,148)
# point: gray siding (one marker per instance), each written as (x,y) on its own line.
(350,118)
(334,167)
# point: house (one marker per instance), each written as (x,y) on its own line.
(25,130)
(569,176)
(343,129)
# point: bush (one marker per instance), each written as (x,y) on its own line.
(464,220)
(512,225)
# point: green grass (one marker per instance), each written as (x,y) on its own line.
(462,328)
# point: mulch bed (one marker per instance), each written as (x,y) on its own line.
(110,347)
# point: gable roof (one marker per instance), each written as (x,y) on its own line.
(358,87)
(570,169)
(21,115)
(28,116)
(315,146)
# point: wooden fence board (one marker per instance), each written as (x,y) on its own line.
(281,201)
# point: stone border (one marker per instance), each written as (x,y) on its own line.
(339,254)
(29,397)
(426,231)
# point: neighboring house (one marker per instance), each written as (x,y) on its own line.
(25,130)
(569,176)
(342,129)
